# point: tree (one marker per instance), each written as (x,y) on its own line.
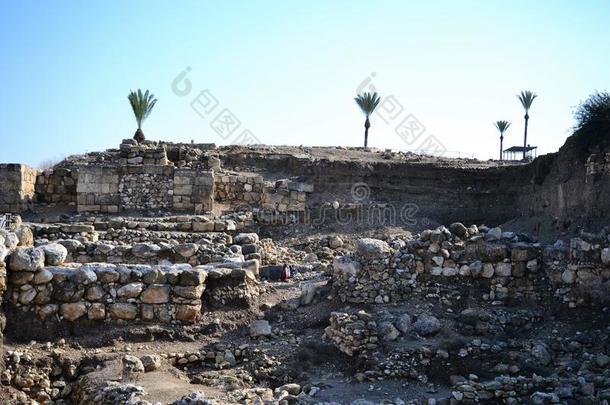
(142,104)
(502,126)
(592,127)
(527,98)
(367,103)
(593,114)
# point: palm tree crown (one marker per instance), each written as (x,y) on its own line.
(367,102)
(527,98)
(142,104)
(502,126)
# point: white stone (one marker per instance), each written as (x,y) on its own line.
(131,290)
(260,328)
(346,265)
(55,254)
(532,265)
(186,249)
(372,248)
(464,270)
(450,271)
(151,362)
(568,276)
(427,325)
(438,260)
(27,259)
(246,238)
(436,271)
(145,250)
(494,233)
(488,270)
(503,269)
(3,252)
(335,242)
(43,277)
(606,256)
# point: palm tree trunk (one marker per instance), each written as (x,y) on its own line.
(527,117)
(367,125)
(501,140)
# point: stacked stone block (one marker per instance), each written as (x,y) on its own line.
(193,190)
(97,189)
(56,186)
(283,200)
(146,153)
(146,187)
(17,185)
(513,270)
(104,291)
(238,189)
(352,333)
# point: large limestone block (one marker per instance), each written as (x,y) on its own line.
(131,290)
(187,313)
(123,310)
(155,294)
(72,311)
(55,254)
(27,259)
(145,250)
(372,248)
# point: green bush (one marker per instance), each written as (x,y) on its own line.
(593,115)
(592,129)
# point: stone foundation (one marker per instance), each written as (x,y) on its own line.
(103,291)
(507,269)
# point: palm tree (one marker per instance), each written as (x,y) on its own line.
(502,126)
(367,103)
(527,98)
(142,104)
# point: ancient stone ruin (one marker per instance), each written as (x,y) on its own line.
(168,273)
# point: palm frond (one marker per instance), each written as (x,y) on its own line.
(141,104)
(527,98)
(367,102)
(502,126)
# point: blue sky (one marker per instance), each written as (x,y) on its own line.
(288,71)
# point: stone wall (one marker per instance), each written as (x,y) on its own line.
(210,248)
(44,281)
(250,190)
(146,187)
(352,333)
(17,185)
(100,291)
(146,153)
(286,196)
(97,189)
(112,189)
(11,239)
(239,189)
(193,190)
(504,266)
(557,191)
(56,186)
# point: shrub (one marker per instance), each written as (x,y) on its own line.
(592,129)
(593,114)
